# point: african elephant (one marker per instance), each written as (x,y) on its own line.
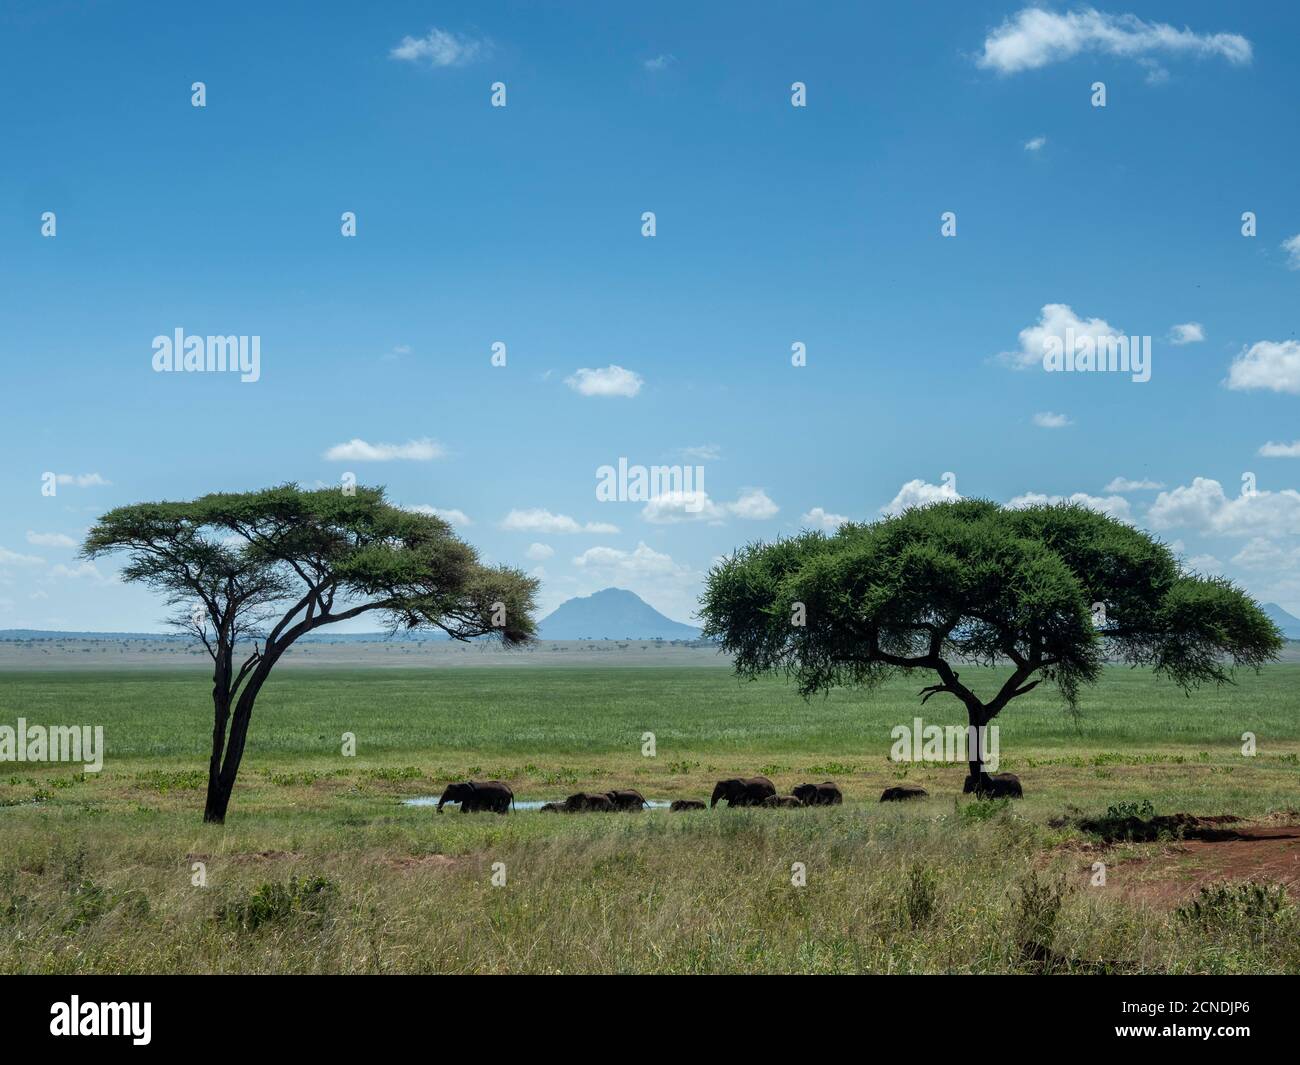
(994,786)
(903,792)
(477,795)
(686,804)
(827,793)
(748,791)
(551,808)
(781,800)
(628,799)
(588,802)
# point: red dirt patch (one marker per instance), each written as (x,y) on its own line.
(1177,870)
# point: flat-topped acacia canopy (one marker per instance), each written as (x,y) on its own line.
(974,582)
(272,565)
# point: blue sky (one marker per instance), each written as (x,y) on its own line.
(522,224)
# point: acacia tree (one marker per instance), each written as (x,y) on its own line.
(271,566)
(1049,592)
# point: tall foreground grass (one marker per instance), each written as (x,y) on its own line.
(887,890)
(321,869)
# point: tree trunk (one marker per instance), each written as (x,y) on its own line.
(214,811)
(975,743)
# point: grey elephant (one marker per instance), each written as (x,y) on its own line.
(903,792)
(782,800)
(827,793)
(477,795)
(743,791)
(588,802)
(551,808)
(627,799)
(994,786)
(679,805)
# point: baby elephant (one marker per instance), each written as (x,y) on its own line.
(781,800)
(824,794)
(627,799)
(551,808)
(679,805)
(994,786)
(903,792)
(588,802)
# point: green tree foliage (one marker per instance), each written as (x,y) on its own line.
(268,567)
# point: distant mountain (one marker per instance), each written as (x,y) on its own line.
(1288,623)
(612,614)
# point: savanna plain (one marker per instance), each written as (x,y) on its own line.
(322,866)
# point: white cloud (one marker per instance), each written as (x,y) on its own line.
(659,62)
(1187,333)
(440,48)
(753,504)
(448,514)
(357,450)
(50,539)
(608,381)
(539,552)
(1261,554)
(701,453)
(1292,248)
(1280,451)
(1035,144)
(918,493)
(1204,564)
(819,518)
(643,561)
(539,520)
(669,508)
(13,558)
(1274,365)
(1047,420)
(1123,484)
(86,569)
(1053,321)
(82,480)
(1204,506)
(1034,38)
(1112,506)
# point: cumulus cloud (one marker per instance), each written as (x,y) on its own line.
(13,558)
(1187,333)
(701,453)
(1035,38)
(1271,365)
(820,518)
(440,48)
(1280,451)
(1112,506)
(1035,144)
(539,552)
(1123,484)
(87,571)
(540,520)
(642,561)
(1292,248)
(1204,506)
(1053,321)
(919,493)
(608,381)
(357,450)
(82,480)
(50,539)
(1048,420)
(669,508)
(448,514)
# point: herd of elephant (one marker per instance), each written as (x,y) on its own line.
(495,796)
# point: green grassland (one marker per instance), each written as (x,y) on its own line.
(320,868)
